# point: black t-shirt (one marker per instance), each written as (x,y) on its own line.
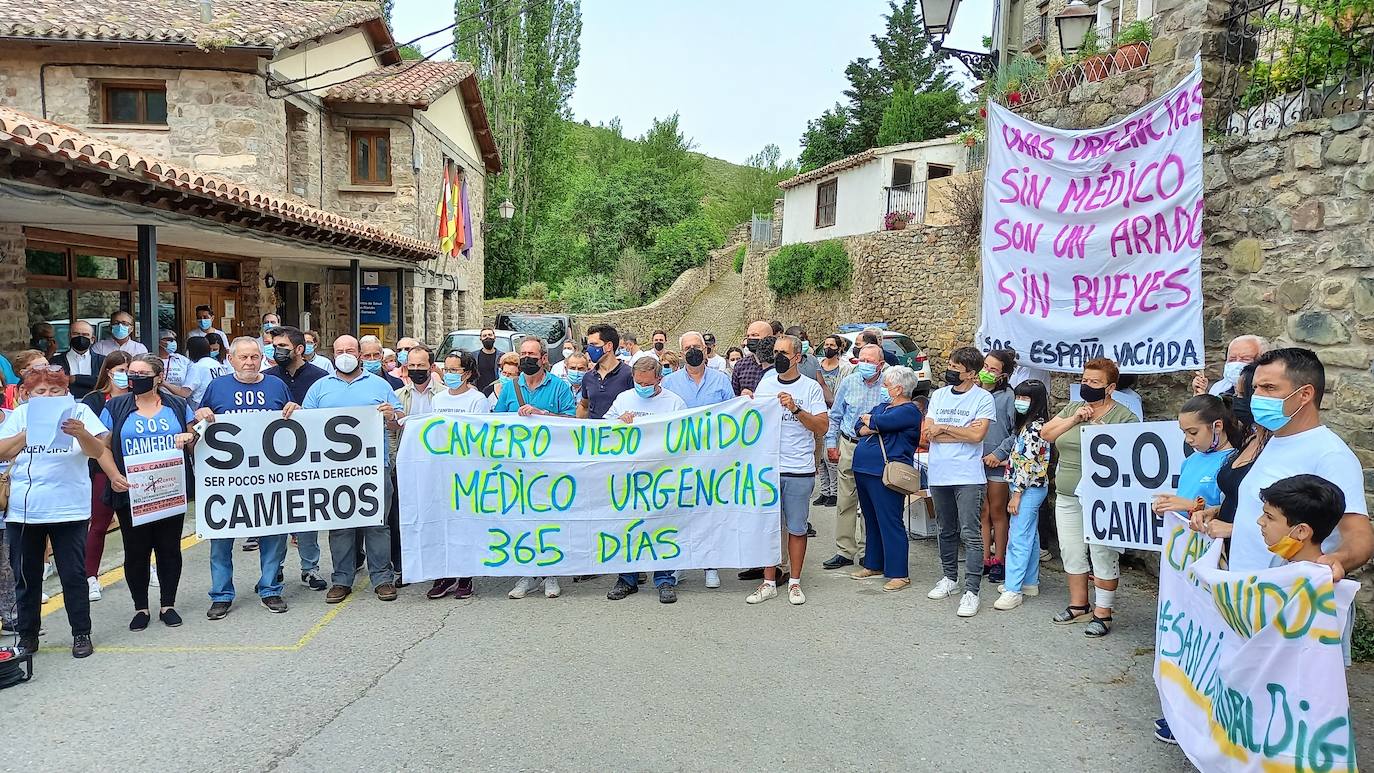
(298,384)
(486,369)
(601,392)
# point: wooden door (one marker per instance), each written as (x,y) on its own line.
(223,303)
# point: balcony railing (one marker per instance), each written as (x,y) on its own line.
(909,199)
(1295,60)
(1034,35)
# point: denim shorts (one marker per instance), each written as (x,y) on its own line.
(796,502)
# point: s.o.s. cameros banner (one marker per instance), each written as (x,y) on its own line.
(512,495)
(1092,239)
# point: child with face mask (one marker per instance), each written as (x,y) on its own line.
(1029,480)
(1299,512)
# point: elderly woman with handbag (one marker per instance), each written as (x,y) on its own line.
(888,437)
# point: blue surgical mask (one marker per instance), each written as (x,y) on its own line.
(1232,370)
(266,326)
(806,348)
(1023,406)
(205,323)
(171,347)
(595,353)
(622,352)
(1268,411)
(402,356)
(372,366)
(866,370)
(453,380)
(644,391)
(575,377)
(667,370)
(309,349)
(120,379)
(119,331)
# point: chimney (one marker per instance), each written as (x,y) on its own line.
(207,11)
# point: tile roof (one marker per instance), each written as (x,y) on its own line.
(409,83)
(32,136)
(274,24)
(849,162)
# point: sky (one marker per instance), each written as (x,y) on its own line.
(741,74)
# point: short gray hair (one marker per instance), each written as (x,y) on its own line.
(543,345)
(682,339)
(247,341)
(903,378)
(370,339)
(796,342)
(1260,341)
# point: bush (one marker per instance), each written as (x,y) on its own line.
(1362,638)
(829,268)
(533,291)
(739,258)
(585,294)
(632,278)
(678,247)
(787,269)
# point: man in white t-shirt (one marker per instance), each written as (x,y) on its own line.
(955,426)
(648,397)
(121,337)
(714,360)
(1288,388)
(312,352)
(805,420)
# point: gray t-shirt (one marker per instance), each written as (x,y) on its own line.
(997,441)
(809,366)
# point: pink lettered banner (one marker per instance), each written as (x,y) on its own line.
(1092,239)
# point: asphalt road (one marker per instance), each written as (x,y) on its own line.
(853,680)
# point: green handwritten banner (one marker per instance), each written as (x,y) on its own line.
(502,494)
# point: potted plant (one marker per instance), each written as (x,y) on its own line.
(1062,74)
(1096,65)
(896,221)
(1133,45)
(1019,81)
(971,137)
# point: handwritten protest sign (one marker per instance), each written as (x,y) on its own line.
(157,485)
(1249,667)
(510,495)
(1092,239)
(259,474)
(1124,466)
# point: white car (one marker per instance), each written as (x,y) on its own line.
(903,348)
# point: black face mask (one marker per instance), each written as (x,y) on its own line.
(418,377)
(281,356)
(1240,406)
(953,378)
(140,385)
(694,357)
(81,343)
(488,343)
(782,362)
(658,346)
(830,352)
(529,365)
(1092,394)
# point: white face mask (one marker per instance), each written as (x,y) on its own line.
(346,363)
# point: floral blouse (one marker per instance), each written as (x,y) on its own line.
(1030,458)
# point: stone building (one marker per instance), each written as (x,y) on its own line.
(257,155)
(1027,26)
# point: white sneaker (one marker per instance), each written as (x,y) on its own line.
(551,587)
(48,570)
(968,605)
(795,595)
(762,593)
(93,588)
(46,597)
(152,576)
(1008,600)
(712,578)
(943,589)
(523,587)
(1026,590)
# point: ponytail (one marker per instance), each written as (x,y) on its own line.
(1212,409)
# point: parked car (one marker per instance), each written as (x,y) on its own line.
(471,341)
(553,328)
(61,329)
(906,351)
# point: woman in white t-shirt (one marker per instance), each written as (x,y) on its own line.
(460,369)
(48,500)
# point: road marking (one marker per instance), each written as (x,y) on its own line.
(111,577)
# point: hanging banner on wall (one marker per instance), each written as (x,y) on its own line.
(258,474)
(1250,667)
(1092,239)
(498,494)
(1124,466)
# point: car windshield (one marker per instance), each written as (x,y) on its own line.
(549,328)
(471,342)
(902,344)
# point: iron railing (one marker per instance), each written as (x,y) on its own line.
(909,199)
(760,230)
(1123,59)
(977,155)
(1295,60)
(1034,35)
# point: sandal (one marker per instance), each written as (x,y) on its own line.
(896,584)
(1072,614)
(865,573)
(1099,627)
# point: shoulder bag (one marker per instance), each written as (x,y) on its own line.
(899,476)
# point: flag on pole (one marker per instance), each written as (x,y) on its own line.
(456,213)
(467,221)
(443,211)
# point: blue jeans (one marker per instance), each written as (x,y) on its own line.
(660,579)
(308,548)
(271,552)
(1023,540)
(887,541)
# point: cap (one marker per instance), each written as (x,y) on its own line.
(709,338)
(165,333)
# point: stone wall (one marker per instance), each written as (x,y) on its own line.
(920,281)
(14,332)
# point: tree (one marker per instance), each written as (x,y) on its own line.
(912,117)
(825,139)
(900,119)
(869,91)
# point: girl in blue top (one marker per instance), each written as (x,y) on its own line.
(1210,429)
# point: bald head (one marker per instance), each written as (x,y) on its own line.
(758,329)
(346,345)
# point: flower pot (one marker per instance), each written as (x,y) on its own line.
(1066,78)
(897,225)
(1131,56)
(970,141)
(1095,68)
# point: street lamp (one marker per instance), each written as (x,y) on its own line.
(938,17)
(1073,23)
(507,210)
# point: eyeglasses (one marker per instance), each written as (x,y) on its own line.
(455,371)
(43,369)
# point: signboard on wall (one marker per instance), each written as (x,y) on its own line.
(374,304)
